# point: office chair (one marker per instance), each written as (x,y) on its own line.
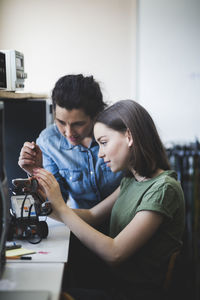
(168,286)
(65,296)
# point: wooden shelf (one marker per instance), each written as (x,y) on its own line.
(17,95)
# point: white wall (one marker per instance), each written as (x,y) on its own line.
(168,66)
(99,37)
(73,36)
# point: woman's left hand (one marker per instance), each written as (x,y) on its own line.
(50,186)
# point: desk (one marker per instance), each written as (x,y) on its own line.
(44,271)
(35,276)
(56,245)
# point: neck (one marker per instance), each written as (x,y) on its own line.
(86,142)
(140,178)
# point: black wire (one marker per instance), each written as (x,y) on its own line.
(30,208)
(29,217)
(22,207)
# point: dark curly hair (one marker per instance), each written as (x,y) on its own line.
(78,92)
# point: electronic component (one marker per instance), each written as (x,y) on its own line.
(26,207)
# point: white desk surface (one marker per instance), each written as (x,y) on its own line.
(34,277)
(54,248)
(44,271)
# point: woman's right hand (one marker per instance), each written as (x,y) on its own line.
(50,186)
(30,157)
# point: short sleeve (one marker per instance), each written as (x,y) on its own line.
(162,199)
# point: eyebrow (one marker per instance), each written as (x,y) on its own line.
(59,120)
(74,123)
(103,136)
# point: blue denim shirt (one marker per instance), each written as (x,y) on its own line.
(83,177)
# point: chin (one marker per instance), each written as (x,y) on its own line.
(115,170)
(75,143)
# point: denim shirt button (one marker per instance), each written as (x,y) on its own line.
(91,172)
(70,177)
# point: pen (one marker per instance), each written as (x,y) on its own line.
(20,257)
(26,257)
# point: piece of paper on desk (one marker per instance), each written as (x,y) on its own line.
(18,252)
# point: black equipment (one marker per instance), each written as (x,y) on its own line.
(27,205)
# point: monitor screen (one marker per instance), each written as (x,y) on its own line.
(4,198)
(3,83)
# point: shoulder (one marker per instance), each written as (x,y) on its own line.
(49,136)
(49,131)
(167,181)
(164,195)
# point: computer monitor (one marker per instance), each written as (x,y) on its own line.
(4,195)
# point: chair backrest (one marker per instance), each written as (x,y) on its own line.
(65,296)
(170,269)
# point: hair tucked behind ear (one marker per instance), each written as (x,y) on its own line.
(148,151)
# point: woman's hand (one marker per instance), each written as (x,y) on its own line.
(30,157)
(50,186)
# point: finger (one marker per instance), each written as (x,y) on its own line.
(26,155)
(43,172)
(27,150)
(26,158)
(45,175)
(30,145)
(41,191)
(37,148)
(26,162)
(43,184)
(46,185)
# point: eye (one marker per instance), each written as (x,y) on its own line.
(60,122)
(79,124)
(103,143)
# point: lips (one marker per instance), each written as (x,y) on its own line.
(74,139)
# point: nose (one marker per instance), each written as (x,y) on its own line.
(68,130)
(101,153)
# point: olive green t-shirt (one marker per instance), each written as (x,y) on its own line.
(162,194)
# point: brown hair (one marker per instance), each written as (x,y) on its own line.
(148,151)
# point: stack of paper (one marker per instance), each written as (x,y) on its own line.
(16,253)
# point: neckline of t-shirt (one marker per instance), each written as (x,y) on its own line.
(153,178)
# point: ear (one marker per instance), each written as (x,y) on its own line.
(129,138)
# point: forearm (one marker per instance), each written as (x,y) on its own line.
(86,215)
(114,250)
(54,216)
(99,243)
(100,212)
(96,241)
